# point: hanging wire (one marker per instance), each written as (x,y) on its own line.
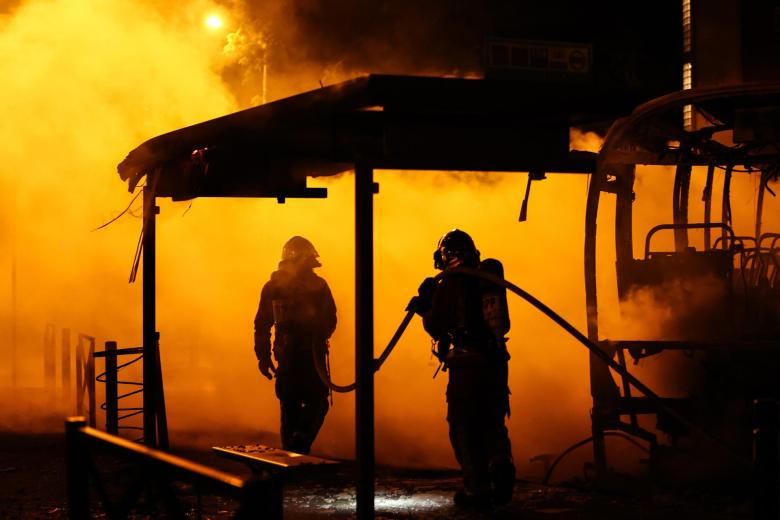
(140,245)
(771,175)
(137,257)
(126,210)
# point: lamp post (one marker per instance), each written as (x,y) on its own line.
(250,45)
(263,45)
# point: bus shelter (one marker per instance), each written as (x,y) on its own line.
(372,122)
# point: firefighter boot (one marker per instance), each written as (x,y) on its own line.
(502,479)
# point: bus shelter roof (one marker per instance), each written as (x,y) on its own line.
(388,122)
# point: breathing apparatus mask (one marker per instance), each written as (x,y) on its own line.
(455,248)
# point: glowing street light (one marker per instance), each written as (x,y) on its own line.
(213,22)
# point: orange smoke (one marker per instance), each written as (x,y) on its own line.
(219,297)
(644,316)
(88,81)
(85,81)
(675,310)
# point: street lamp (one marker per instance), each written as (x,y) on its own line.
(213,22)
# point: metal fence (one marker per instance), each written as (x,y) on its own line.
(115,411)
(85,377)
(83,363)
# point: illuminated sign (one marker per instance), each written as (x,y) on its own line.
(542,60)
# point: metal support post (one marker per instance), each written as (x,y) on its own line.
(78,478)
(90,375)
(597,179)
(706,197)
(682,184)
(112,389)
(85,377)
(50,357)
(162,419)
(150,340)
(80,377)
(364,337)
(725,209)
(626,385)
(599,446)
(65,368)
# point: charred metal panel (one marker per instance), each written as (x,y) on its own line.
(393,121)
(713,314)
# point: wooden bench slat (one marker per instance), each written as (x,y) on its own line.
(272,458)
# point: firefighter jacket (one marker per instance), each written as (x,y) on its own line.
(456,310)
(300,306)
(462,315)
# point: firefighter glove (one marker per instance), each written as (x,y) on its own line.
(421,303)
(266,366)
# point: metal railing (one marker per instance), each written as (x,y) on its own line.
(84,364)
(50,356)
(110,376)
(157,472)
(85,377)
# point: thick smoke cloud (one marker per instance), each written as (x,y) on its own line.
(82,83)
(86,81)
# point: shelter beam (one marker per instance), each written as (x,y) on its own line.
(150,338)
(364,338)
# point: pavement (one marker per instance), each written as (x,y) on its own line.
(33,483)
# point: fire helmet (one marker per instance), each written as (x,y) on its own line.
(298,250)
(455,245)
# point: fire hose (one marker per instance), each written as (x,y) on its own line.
(549,471)
(323,373)
(565,325)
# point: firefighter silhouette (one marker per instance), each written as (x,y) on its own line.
(299,306)
(468,319)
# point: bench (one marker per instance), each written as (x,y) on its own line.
(277,461)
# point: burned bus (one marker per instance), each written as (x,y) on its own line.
(697,285)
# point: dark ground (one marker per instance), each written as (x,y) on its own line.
(32,485)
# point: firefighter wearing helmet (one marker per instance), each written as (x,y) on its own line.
(299,306)
(468,319)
